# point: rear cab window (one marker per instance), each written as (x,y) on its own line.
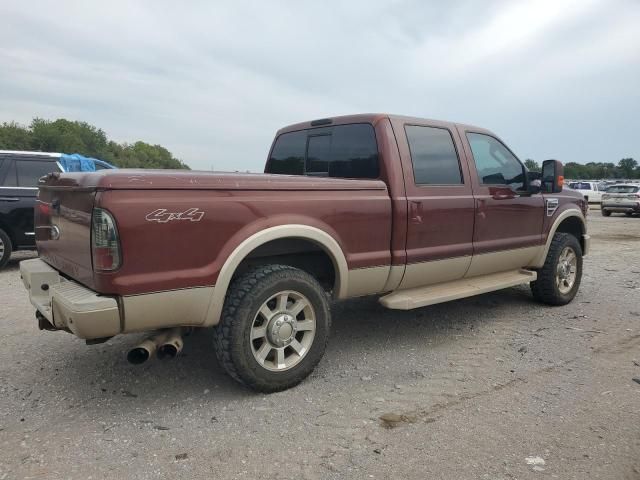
(341,151)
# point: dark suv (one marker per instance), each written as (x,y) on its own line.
(19,174)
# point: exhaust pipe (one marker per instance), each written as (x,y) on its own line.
(144,351)
(172,344)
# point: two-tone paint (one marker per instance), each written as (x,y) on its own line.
(381,235)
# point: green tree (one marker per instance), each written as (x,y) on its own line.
(532,165)
(68,136)
(627,167)
(14,136)
(144,155)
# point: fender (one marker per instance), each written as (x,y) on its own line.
(569,212)
(320,237)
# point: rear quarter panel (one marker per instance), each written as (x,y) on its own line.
(176,254)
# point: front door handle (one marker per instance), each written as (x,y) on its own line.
(502,193)
(9,199)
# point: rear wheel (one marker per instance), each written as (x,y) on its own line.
(274,328)
(559,278)
(629,214)
(5,248)
(605,213)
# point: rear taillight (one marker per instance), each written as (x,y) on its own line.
(105,244)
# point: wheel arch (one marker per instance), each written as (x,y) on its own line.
(243,251)
(570,221)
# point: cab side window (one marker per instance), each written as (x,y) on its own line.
(433,155)
(495,164)
(29,171)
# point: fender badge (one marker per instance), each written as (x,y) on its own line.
(161,215)
(552,206)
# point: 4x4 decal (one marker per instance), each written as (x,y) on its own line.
(161,215)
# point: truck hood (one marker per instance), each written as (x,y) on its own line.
(131,179)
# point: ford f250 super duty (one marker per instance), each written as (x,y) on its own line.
(416,211)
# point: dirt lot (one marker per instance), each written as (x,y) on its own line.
(470,389)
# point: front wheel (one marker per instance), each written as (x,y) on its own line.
(274,328)
(559,278)
(5,248)
(606,213)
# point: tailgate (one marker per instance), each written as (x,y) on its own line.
(63,229)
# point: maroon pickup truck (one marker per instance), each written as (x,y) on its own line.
(416,211)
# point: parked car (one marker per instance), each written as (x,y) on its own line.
(592,191)
(623,198)
(19,174)
(416,211)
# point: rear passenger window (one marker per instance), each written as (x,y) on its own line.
(10,179)
(434,157)
(344,151)
(29,171)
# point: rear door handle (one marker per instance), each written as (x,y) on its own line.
(9,199)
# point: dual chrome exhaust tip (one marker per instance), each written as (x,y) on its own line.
(165,344)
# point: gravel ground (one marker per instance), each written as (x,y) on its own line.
(495,387)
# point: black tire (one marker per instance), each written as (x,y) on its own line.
(629,214)
(545,289)
(5,248)
(606,213)
(232,336)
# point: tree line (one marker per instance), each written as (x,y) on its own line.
(66,136)
(627,168)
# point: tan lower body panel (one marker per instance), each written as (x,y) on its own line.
(503,260)
(436,271)
(466,287)
(367,281)
(166,309)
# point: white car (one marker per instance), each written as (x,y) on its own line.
(623,198)
(592,191)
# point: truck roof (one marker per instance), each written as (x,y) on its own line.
(372,118)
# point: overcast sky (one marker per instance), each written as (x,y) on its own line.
(555,79)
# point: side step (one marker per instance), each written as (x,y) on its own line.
(466,287)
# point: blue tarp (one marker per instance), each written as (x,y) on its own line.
(78,163)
